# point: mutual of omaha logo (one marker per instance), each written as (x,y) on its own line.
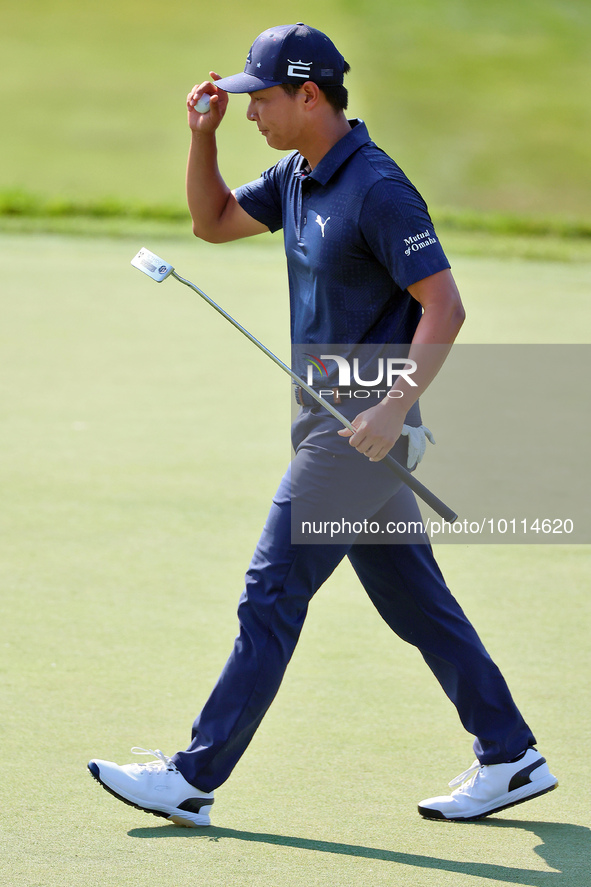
(418,241)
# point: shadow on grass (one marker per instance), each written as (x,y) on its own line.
(565,848)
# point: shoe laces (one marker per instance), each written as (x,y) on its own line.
(162,762)
(476,766)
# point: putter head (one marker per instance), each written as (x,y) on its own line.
(152,265)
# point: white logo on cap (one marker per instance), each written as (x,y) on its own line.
(299,68)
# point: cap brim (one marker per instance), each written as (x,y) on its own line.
(245,83)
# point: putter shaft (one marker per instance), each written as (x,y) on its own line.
(402,473)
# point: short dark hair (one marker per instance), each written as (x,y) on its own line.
(336,96)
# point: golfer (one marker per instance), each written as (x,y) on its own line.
(366,270)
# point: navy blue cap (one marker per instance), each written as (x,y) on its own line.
(288,54)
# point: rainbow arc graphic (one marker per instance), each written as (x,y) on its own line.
(315,362)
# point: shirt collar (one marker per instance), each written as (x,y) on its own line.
(337,155)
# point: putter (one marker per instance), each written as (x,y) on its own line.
(159,270)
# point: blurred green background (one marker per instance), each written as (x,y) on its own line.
(486,106)
(133,495)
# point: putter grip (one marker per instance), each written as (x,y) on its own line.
(421,490)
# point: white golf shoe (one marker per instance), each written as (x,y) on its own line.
(156,787)
(486,789)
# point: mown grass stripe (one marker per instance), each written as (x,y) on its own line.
(19,203)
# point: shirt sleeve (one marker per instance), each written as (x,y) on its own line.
(261,199)
(398,230)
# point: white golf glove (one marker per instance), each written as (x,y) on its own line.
(417,443)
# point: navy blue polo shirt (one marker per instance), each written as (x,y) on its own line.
(357,234)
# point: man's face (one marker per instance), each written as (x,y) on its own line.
(277,116)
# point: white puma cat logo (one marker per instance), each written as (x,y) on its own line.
(322,224)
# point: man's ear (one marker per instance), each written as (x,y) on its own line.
(311,93)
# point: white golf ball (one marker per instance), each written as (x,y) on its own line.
(202,106)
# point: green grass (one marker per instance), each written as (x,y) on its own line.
(503,237)
(485,106)
(138,459)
